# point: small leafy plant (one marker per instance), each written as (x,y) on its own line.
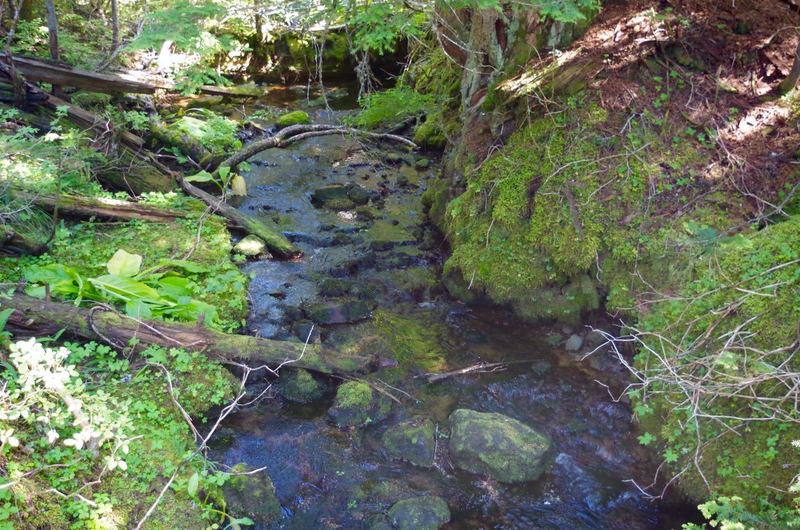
(157,292)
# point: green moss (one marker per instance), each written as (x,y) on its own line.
(699,322)
(356,405)
(354,394)
(531,217)
(296,117)
(301,387)
(415,341)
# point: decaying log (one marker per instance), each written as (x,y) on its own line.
(35,317)
(119,83)
(188,145)
(276,242)
(295,133)
(86,207)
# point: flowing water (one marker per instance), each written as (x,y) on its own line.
(385,255)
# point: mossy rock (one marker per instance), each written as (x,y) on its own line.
(344,311)
(296,117)
(357,404)
(489,443)
(419,513)
(413,441)
(300,386)
(340,196)
(253,496)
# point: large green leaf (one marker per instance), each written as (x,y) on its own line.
(63,281)
(188,266)
(126,289)
(124,264)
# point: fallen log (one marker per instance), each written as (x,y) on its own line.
(143,172)
(118,83)
(35,317)
(276,242)
(86,207)
(188,145)
(295,133)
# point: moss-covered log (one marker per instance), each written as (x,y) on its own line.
(188,145)
(35,317)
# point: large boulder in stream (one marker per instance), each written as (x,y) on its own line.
(357,404)
(413,441)
(419,513)
(253,496)
(492,444)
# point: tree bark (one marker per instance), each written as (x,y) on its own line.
(86,207)
(794,75)
(35,317)
(114,26)
(52,29)
(120,83)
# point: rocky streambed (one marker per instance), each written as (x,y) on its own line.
(535,444)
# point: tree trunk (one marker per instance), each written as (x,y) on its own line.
(34,317)
(794,75)
(52,29)
(114,26)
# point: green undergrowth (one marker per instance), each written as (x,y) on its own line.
(154,440)
(87,247)
(214,132)
(737,321)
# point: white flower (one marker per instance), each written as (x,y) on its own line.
(52,436)
(7,437)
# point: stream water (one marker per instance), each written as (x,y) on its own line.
(384,255)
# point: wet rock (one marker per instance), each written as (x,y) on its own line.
(305,330)
(338,312)
(300,386)
(574,343)
(357,404)
(250,246)
(334,286)
(554,339)
(594,339)
(494,444)
(413,441)
(541,367)
(419,513)
(340,196)
(252,496)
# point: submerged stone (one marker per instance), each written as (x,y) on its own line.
(250,246)
(300,386)
(340,196)
(574,343)
(493,444)
(356,404)
(253,496)
(419,513)
(338,312)
(413,441)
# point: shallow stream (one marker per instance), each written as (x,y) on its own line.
(384,255)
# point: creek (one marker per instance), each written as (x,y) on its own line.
(376,267)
